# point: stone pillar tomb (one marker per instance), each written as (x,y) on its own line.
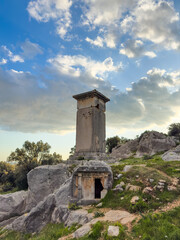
(90,124)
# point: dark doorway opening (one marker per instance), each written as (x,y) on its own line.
(98,187)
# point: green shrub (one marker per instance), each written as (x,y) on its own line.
(147,157)
(95,233)
(98,214)
(140,206)
(7,187)
(80,158)
(73,206)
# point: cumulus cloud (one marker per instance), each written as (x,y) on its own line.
(134,49)
(149,101)
(97,42)
(3,61)
(57,10)
(27,107)
(104,12)
(155,21)
(30,50)
(143,20)
(77,65)
(12,57)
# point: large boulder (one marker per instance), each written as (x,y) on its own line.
(51,209)
(154,142)
(125,150)
(172,155)
(12,204)
(44,180)
(149,143)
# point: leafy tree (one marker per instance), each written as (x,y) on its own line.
(73,150)
(30,156)
(174,130)
(51,159)
(113,142)
(7,173)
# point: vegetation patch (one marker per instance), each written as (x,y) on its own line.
(49,232)
(158,226)
(140,176)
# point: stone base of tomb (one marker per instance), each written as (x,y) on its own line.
(89,156)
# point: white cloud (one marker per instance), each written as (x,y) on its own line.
(30,50)
(17,58)
(134,49)
(77,65)
(104,12)
(97,42)
(149,102)
(57,10)
(151,21)
(156,21)
(3,61)
(12,57)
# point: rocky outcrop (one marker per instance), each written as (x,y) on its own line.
(149,143)
(153,142)
(51,209)
(44,180)
(12,205)
(125,150)
(172,155)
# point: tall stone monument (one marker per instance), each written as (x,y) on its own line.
(90,124)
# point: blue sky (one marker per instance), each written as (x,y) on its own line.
(53,49)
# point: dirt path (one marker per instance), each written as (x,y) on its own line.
(169,206)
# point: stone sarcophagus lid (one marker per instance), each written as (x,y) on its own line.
(90,182)
(90,124)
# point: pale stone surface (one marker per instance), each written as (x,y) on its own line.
(123,217)
(147,190)
(132,187)
(149,143)
(44,180)
(172,155)
(113,231)
(127,168)
(79,216)
(12,204)
(134,199)
(125,150)
(118,188)
(82,231)
(99,205)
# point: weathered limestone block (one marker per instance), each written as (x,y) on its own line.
(44,180)
(113,231)
(79,216)
(12,204)
(153,142)
(125,150)
(172,155)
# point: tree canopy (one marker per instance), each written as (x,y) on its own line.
(30,156)
(112,142)
(174,130)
